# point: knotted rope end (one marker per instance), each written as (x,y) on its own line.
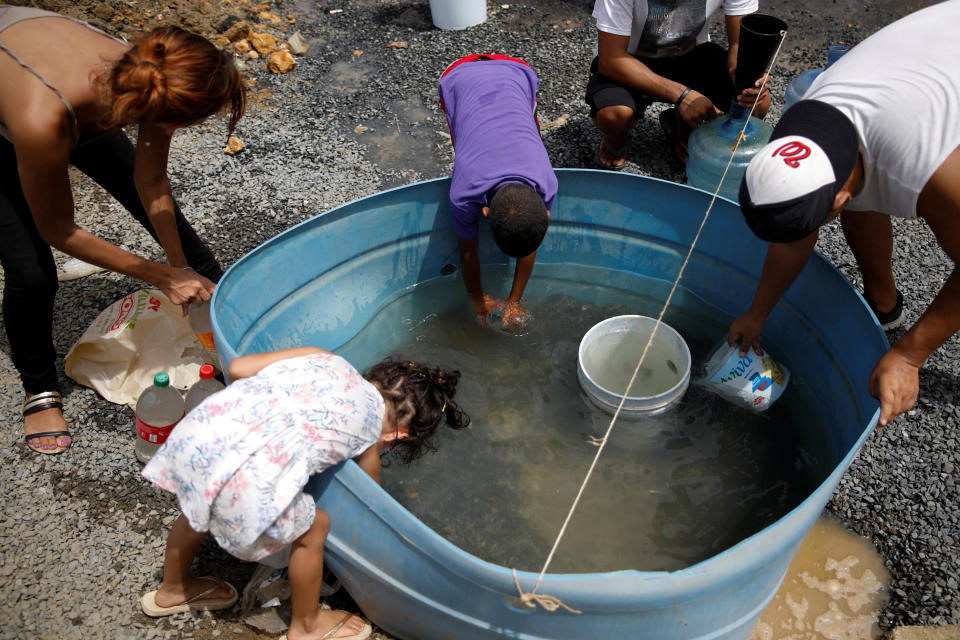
(549,603)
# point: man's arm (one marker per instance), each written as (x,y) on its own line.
(895,379)
(617,63)
(784,262)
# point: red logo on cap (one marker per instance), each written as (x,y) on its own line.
(793,152)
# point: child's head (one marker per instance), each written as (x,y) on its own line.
(518,219)
(422,394)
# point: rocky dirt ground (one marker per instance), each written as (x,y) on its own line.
(81,535)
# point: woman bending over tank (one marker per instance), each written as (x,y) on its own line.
(239,462)
(66,89)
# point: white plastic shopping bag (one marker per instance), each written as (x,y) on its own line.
(130,341)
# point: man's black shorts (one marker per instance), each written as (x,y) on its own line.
(703,68)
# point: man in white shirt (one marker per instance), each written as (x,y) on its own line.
(878,135)
(660,51)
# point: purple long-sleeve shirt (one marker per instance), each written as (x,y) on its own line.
(490,108)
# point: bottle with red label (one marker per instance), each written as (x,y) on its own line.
(158,411)
(207,385)
(199,317)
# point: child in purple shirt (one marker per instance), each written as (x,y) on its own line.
(501,170)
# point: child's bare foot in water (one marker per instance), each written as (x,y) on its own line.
(353,626)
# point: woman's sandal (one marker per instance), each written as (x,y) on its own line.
(42,402)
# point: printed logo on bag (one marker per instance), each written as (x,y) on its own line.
(123,312)
(793,152)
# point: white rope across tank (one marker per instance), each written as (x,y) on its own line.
(550,603)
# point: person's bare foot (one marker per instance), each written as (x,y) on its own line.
(325,620)
(172,595)
(44,421)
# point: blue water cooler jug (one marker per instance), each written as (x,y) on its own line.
(712,143)
(710,146)
(801,83)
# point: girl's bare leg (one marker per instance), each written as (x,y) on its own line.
(178,585)
(306,579)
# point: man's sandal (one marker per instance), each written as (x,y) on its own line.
(42,402)
(618,153)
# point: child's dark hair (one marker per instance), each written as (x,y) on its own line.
(426,392)
(518,219)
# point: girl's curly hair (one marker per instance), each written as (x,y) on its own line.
(426,393)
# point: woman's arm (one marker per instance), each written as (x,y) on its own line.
(43,154)
(251,364)
(153,185)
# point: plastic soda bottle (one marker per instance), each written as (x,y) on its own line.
(207,385)
(199,317)
(159,408)
(799,86)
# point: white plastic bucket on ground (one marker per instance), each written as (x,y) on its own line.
(457,14)
(609,353)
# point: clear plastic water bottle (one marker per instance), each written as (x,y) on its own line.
(801,83)
(199,317)
(207,385)
(158,411)
(711,144)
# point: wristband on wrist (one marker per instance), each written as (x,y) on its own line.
(682,96)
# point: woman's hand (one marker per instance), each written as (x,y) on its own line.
(184,286)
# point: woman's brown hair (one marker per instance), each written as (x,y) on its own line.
(177,77)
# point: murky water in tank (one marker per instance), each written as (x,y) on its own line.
(668,492)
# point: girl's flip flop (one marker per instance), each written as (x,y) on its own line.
(199,602)
(362,635)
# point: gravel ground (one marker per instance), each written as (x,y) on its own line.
(82,535)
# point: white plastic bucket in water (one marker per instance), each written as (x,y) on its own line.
(457,14)
(608,356)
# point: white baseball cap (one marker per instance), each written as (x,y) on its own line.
(789,187)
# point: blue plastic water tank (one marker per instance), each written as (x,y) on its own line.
(323,280)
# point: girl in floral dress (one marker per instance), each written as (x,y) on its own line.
(239,461)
